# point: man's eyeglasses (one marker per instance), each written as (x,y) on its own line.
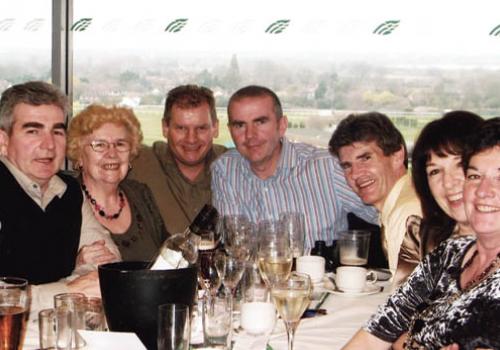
(101,146)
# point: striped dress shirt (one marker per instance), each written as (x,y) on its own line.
(308,180)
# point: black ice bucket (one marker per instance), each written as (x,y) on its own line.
(131,295)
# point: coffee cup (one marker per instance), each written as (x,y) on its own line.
(312,265)
(353,279)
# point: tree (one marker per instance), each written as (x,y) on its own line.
(232,79)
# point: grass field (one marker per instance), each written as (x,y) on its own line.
(305,128)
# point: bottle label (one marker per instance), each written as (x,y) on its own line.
(170,260)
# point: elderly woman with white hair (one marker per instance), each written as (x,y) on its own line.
(101,143)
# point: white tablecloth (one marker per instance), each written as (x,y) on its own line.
(346,314)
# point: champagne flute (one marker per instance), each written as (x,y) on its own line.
(274,254)
(293,224)
(291,298)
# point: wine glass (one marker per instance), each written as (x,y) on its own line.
(210,277)
(274,254)
(233,268)
(293,224)
(291,298)
(238,232)
(220,263)
(206,256)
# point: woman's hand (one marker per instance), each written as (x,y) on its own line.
(96,253)
(399,344)
(451,347)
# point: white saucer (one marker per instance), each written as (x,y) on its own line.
(369,289)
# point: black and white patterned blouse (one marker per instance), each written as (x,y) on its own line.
(470,318)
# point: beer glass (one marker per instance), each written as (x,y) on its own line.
(74,304)
(14,302)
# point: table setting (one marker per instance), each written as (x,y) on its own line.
(248,297)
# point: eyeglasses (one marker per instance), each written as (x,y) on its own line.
(101,146)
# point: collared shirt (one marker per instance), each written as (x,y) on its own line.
(178,198)
(400,214)
(91,231)
(307,180)
(55,186)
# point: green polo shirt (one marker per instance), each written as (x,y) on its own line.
(178,198)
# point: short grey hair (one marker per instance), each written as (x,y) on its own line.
(35,93)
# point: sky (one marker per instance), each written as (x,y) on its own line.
(315,28)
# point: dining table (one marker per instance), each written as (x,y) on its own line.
(346,314)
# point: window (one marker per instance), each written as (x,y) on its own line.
(25,41)
(325,59)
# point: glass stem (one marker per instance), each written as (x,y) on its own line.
(290,332)
(230,335)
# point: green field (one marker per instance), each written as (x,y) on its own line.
(305,126)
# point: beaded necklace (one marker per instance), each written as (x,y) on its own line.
(491,267)
(100,209)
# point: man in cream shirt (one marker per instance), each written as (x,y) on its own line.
(373,154)
(46,235)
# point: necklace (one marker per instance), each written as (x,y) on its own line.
(418,318)
(486,272)
(100,209)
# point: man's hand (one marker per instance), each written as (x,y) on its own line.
(95,253)
(87,284)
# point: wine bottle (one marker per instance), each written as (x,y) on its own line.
(181,249)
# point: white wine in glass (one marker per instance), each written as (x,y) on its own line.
(274,253)
(291,298)
(274,269)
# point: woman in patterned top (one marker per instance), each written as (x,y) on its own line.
(453,296)
(438,176)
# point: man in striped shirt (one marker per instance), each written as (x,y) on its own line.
(267,175)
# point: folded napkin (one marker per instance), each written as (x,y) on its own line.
(244,341)
(111,340)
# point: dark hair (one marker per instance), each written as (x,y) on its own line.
(484,138)
(368,127)
(443,136)
(35,93)
(256,91)
(189,96)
